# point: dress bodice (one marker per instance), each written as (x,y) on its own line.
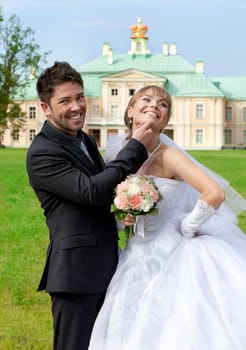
(169,189)
(169,208)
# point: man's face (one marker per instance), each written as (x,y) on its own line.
(67,108)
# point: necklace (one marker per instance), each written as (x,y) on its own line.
(149,158)
(155,150)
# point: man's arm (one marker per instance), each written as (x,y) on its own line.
(51,171)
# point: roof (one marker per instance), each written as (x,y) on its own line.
(147,63)
(30,93)
(233,87)
(199,85)
(181,78)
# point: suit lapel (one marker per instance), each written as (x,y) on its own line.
(80,155)
(75,150)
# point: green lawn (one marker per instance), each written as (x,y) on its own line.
(25,321)
(232,166)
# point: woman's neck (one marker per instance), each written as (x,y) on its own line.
(153,148)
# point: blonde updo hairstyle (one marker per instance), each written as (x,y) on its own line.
(156,91)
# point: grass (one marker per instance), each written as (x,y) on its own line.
(232,166)
(25,321)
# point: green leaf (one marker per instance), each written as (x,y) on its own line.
(19,55)
(122,239)
(113,208)
(120,215)
(153,211)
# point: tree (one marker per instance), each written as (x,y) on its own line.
(19,55)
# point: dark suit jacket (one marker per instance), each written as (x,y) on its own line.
(76,196)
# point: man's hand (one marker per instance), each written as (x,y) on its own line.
(144,133)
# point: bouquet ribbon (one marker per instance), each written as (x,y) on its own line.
(139,226)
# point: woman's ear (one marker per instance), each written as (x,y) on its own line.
(130,112)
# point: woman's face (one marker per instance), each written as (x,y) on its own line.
(149,106)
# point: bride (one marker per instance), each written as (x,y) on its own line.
(181,281)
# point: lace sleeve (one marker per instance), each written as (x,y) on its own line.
(200,214)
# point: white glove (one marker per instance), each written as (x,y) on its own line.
(200,213)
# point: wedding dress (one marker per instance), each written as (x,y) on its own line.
(170,292)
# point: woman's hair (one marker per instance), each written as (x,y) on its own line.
(59,73)
(156,91)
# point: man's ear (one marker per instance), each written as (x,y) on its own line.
(45,107)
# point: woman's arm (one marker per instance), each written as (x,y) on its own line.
(180,166)
(212,195)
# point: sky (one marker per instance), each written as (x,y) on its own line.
(75,30)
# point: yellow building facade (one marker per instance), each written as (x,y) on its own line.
(207,113)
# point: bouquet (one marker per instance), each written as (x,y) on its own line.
(137,195)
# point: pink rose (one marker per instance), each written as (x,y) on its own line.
(154,195)
(145,188)
(135,202)
(122,187)
(121,202)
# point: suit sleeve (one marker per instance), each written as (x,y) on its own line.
(54,172)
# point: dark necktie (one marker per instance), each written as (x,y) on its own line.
(84,149)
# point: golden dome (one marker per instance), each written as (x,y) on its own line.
(139,30)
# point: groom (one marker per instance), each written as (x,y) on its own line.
(75,190)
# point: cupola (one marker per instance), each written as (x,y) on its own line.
(139,39)
(139,30)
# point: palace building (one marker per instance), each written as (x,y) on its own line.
(208,112)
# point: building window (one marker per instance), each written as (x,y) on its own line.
(131,92)
(114,111)
(139,47)
(199,111)
(32,134)
(95,111)
(244,136)
(95,133)
(244,114)
(199,136)
(114,92)
(16,134)
(32,112)
(228,115)
(228,137)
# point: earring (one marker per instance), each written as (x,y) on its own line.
(130,121)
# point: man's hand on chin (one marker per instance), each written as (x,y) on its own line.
(144,132)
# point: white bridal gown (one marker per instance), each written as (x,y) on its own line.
(174,293)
